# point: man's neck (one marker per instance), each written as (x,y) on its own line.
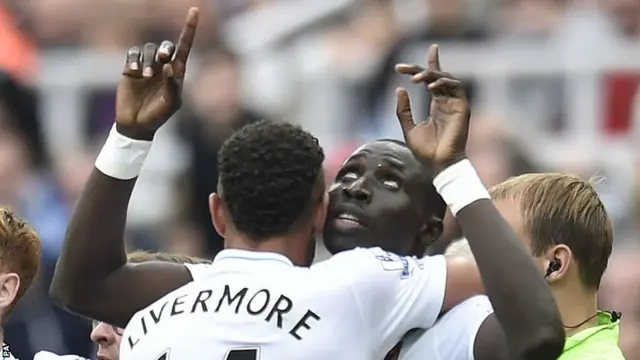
(576,305)
(285,246)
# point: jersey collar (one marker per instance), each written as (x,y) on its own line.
(252,256)
(607,330)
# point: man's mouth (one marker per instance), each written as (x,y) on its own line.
(104,354)
(348,221)
(349,218)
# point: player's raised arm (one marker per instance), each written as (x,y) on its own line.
(92,276)
(522,300)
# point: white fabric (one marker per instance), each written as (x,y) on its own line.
(459,185)
(460,248)
(364,301)
(122,157)
(198,271)
(46,355)
(452,337)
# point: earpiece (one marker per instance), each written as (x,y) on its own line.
(554,266)
(615,316)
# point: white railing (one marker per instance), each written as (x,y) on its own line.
(65,77)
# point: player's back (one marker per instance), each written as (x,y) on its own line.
(249,306)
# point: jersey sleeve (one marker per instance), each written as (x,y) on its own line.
(198,271)
(395,294)
(453,335)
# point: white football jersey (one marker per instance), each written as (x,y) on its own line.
(46,355)
(453,335)
(255,305)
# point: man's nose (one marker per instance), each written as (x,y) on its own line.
(358,190)
(103,334)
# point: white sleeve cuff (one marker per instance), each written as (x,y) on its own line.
(459,185)
(122,157)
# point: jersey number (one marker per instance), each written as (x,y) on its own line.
(232,354)
(164,355)
(243,354)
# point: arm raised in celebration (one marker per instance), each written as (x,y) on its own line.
(92,276)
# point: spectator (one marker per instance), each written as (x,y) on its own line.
(215,112)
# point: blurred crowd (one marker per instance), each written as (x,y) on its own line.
(553,82)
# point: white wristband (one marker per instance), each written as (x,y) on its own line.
(122,157)
(459,185)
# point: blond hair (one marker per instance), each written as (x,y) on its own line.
(20,249)
(563,209)
(141,256)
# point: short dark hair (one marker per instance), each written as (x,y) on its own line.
(433,200)
(270,178)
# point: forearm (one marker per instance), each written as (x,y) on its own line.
(522,300)
(94,246)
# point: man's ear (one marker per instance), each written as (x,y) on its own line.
(218,215)
(9,286)
(561,254)
(450,233)
(452,230)
(321,214)
(430,232)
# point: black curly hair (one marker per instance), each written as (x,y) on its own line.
(270,178)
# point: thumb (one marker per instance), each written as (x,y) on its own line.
(403,111)
(171,82)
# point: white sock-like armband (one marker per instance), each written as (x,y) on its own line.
(122,157)
(459,185)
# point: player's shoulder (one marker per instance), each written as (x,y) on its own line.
(475,306)
(373,266)
(453,335)
(466,318)
(374,256)
(160,302)
(353,262)
(199,271)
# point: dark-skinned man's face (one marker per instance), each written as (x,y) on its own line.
(378,199)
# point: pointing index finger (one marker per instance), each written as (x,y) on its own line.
(434,58)
(185,42)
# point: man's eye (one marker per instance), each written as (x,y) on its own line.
(392,184)
(349,176)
